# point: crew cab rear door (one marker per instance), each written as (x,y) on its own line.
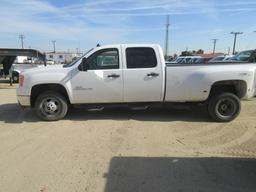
(102,82)
(143,74)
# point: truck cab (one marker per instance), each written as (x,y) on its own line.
(119,74)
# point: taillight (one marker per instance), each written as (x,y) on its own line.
(21,80)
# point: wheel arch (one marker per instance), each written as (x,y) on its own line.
(40,88)
(237,87)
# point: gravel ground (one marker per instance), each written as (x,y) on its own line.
(122,150)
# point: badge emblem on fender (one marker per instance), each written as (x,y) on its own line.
(80,88)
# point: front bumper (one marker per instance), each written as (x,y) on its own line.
(24,100)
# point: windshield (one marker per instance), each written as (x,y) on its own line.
(217,59)
(179,60)
(76,60)
(199,60)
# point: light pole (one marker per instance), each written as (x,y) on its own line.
(235,36)
(167,36)
(22,37)
(228,50)
(54,46)
(214,45)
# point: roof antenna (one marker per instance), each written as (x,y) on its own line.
(98,45)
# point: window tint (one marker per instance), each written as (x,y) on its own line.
(140,58)
(104,59)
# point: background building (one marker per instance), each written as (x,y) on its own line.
(61,57)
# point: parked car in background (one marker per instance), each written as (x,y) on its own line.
(228,57)
(243,56)
(16,69)
(217,59)
(176,60)
(221,59)
(200,60)
(184,60)
(50,62)
(189,59)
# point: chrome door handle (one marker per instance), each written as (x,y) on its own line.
(114,76)
(153,74)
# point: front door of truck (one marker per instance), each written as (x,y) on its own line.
(102,81)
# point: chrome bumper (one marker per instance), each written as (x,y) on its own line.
(24,101)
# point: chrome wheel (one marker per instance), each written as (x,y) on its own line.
(50,106)
(15,78)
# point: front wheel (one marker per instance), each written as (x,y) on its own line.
(224,107)
(51,106)
(15,77)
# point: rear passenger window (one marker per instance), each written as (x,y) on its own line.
(140,58)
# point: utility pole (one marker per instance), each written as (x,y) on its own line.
(22,37)
(54,46)
(214,45)
(167,36)
(235,36)
(79,51)
(228,50)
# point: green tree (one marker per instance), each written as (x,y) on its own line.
(200,51)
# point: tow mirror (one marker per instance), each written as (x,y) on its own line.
(84,65)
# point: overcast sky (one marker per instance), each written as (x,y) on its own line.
(193,23)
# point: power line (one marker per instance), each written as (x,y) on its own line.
(235,37)
(214,45)
(167,36)
(22,37)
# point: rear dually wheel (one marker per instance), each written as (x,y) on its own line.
(224,107)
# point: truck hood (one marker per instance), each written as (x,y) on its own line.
(46,74)
(43,69)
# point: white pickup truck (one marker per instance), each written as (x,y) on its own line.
(135,75)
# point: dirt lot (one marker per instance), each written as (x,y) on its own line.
(122,150)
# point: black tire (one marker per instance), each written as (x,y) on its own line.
(51,106)
(15,77)
(224,107)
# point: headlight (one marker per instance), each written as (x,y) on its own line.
(21,80)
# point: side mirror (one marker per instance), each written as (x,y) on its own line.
(84,65)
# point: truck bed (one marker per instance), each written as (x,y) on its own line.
(183,77)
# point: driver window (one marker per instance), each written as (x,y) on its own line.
(104,59)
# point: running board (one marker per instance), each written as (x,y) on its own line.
(95,109)
(137,108)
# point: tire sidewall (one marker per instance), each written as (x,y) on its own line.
(15,77)
(213,111)
(61,100)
